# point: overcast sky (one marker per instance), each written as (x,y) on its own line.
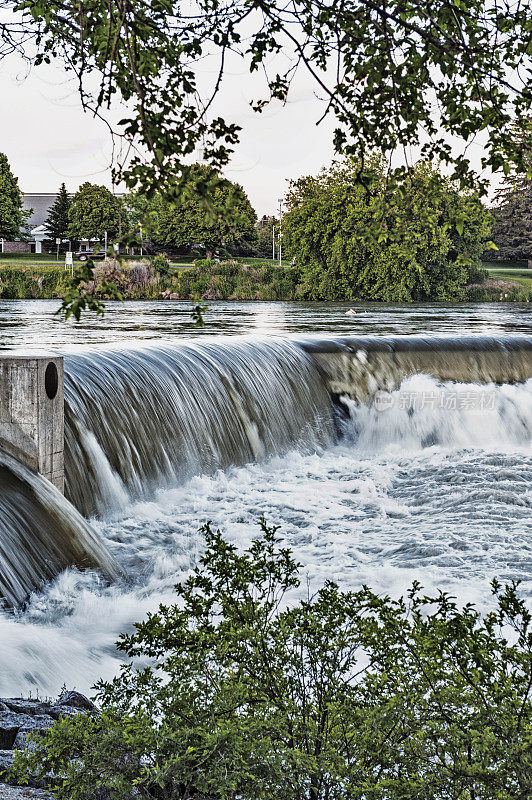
(48,139)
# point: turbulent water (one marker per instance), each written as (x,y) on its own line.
(430,482)
(40,534)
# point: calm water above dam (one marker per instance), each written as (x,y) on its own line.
(34,324)
(165,434)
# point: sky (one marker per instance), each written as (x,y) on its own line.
(48,138)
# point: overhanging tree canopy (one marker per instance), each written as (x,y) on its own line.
(393,72)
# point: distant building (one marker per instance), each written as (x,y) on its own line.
(40,202)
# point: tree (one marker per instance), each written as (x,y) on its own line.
(57,222)
(12,216)
(93,211)
(225,223)
(239,691)
(353,239)
(267,228)
(512,230)
(392,72)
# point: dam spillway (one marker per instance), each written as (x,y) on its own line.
(359,366)
(438,493)
(138,420)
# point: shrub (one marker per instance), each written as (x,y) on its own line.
(223,285)
(161,264)
(240,693)
(477,274)
(19,283)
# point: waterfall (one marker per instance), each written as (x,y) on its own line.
(137,419)
(41,533)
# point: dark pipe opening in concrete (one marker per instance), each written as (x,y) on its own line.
(51,380)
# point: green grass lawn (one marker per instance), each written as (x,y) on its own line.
(14,257)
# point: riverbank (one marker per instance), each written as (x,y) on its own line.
(20,719)
(233,280)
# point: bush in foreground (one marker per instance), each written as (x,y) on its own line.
(241,694)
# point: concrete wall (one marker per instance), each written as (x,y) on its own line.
(360,366)
(32,412)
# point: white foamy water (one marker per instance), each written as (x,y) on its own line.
(431,483)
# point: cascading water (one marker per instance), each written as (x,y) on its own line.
(428,479)
(41,533)
(137,420)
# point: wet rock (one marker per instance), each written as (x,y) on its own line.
(37,724)
(75,700)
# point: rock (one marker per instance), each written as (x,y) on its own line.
(212,294)
(65,711)
(10,724)
(6,759)
(22,793)
(75,700)
(21,706)
(173,296)
(37,724)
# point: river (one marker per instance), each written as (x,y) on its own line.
(438,492)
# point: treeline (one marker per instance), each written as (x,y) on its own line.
(217,222)
(349,233)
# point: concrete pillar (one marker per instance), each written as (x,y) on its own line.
(32,412)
